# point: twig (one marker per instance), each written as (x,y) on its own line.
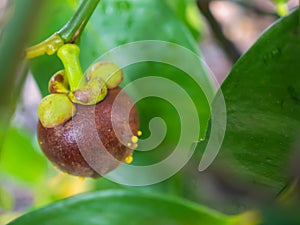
(229,48)
(69,33)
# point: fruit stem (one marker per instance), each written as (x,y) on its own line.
(73,29)
(69,55)
(49,46)
(69,33)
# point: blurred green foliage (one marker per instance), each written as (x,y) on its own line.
(13,38)
(119,22)
(261,96)
(22,158)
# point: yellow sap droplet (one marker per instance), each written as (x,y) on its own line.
(134,139)
(128,159)
(129,144)
(139,133)
(81,178)
(135,145)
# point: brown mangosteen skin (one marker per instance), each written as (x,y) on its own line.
(60,143)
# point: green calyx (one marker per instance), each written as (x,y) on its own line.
(59,83)
(70,86)
(55,109)
(93,92)
(110,73)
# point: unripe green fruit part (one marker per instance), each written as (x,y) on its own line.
(109,72)
(55,109)
(59,83)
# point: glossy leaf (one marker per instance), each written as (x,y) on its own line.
(119,22)
(262,98)
(123,207)
(113,23)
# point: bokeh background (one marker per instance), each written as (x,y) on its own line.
(224,31)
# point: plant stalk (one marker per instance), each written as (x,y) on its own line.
(229,48)
(73,29)
(69,55)
(69,33)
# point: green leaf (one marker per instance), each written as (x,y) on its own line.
(113,23)
(262,95)
(118,22)
(123,207)
(20,158)
(54,16)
